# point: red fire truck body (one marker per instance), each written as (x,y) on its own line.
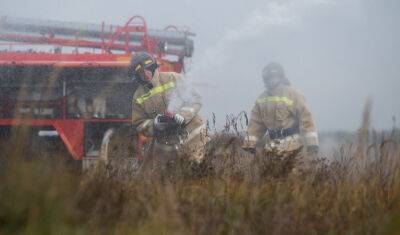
(83,87)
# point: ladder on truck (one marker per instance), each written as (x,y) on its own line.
(132,37)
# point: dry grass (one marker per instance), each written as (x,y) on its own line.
(230,194)
(356,192)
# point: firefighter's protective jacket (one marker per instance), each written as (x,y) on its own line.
(278,109)
(149,100)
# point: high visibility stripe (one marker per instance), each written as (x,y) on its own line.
(276,99)
(155,91)
(138,67)
(311,135)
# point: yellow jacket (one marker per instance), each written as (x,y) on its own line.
(279,109)
(149,100)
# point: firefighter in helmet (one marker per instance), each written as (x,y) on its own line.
(161,112)
(281,115)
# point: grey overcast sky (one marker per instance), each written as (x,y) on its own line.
(337,52)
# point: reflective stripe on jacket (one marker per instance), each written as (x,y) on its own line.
(148,102)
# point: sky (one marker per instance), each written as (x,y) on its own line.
(336,52)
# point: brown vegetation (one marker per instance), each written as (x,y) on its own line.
(231,193)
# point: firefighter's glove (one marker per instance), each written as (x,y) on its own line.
(178,119)
(158,124)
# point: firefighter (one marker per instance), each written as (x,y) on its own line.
(281,116)
(173,130)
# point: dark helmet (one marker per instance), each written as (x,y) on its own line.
(273,70)
(141,61)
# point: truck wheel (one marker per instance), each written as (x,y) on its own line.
(117,151)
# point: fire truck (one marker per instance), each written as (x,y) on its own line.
(72,81)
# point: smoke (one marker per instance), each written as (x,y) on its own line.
(183,94)
(231,67)
(282,15)
(326,47)
(272,14)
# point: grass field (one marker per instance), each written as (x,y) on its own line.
(356,192)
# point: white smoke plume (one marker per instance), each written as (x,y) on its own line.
(183,94)
(235,57)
